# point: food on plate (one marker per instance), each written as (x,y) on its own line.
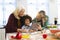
(57,34)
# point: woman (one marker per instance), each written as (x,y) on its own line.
(41,19)
(44,18)
(15,21)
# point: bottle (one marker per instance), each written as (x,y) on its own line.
(55,21)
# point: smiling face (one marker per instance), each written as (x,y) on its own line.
(27,22)
(21,13)
(42,13)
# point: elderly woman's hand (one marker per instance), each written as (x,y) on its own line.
(19,30)
(31,30)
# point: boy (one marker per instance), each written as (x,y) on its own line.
(27,21)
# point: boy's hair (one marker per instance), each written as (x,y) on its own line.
(28,17)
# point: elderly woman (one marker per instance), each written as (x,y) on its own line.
(15,21)
(41,19)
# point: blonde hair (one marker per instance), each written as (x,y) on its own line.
(16,12)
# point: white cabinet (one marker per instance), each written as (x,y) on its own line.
(2,34)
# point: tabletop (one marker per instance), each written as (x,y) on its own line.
(33,36)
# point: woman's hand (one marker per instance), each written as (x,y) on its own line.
(39,27)
(23,30)
(19,30)
(31,30)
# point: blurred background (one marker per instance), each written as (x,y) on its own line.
(32,7)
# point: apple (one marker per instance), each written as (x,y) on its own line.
(44,36)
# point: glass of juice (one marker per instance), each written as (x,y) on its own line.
(26,36)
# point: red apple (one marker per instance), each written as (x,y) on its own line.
(44,36)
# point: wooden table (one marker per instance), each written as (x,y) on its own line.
(51,38)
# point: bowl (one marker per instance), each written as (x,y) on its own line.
(54,31)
